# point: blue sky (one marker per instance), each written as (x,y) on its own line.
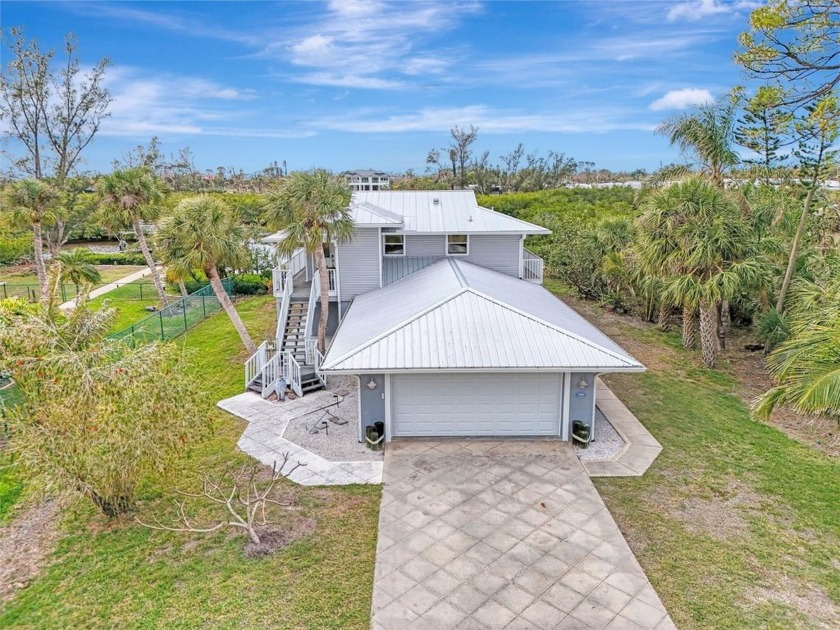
(370,84)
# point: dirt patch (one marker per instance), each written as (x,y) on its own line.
(810,601)
(24,545)
(274,537)
(719,518)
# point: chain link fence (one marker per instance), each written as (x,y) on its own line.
(176,318)
(128,291)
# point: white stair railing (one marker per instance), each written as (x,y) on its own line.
(256,362)
(314,297)
(319,361)
(332,281)
(272,373)
(292,373)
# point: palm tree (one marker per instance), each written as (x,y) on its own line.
(706,134)
(705,250)
(663,212)
(806,367)
(311,206)
(30,202)
(75,266)
(129,197)
(203,233)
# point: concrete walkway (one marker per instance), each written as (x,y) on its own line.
(263,440)
(107,288)
(641,448)
(501,534)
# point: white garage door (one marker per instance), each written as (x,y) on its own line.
(476,404)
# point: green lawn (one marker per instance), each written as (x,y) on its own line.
(104,575)
(737,525)
(18,280)
(129,301)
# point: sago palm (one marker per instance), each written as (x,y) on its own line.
(74,266)
(30,203)
(129,197)
(203,233)
(312,207)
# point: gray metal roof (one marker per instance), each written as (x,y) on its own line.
(454,315)
(367,214)
(454,212)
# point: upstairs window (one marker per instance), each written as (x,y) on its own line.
(394,245)
(457,245)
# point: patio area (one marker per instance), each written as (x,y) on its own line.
(319,430)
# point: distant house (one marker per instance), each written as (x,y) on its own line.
(367,181)
(437,309)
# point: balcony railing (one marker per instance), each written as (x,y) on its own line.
(532,267)
(294,263)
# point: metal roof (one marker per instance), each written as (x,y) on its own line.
(367,214)
(444,212)
(454,316)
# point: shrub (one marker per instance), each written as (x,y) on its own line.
(97,418)
(250,284)
(14,247)
(125,258)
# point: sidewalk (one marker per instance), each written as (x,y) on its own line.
(107,288)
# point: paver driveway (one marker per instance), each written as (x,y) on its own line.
(501,534)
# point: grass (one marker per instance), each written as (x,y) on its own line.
(127,300)
(737,525)
(110,273)
(123,575)
(11,488)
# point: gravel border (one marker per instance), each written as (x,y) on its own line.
(339,443)
(607,443)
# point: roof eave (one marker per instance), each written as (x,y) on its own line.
(558,369)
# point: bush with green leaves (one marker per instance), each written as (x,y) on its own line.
(123,258)
(250,284)
(14,247)
(97,417)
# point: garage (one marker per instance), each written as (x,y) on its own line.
(477,404)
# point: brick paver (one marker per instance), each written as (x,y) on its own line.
(501,534)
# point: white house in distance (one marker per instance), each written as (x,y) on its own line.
(437,309)
(367,180)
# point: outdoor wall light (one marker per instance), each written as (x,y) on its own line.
(582,384)
(371,384)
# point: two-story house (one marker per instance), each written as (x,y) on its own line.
(437,309)
(367,180)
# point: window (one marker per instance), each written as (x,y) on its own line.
(394,245)
(457,245)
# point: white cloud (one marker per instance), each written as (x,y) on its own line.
(487,119)
(682,99)
(695,10)
(147,103)
(370,44)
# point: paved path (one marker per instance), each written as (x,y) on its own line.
(501,534)
(107,288)
(641,448)
(263,440)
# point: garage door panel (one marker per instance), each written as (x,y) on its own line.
(476,404)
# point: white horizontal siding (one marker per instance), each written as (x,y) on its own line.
(499,252)
(358,263)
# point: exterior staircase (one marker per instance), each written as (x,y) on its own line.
(294,340)
(292,357)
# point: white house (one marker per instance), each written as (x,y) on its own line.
(440,314)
